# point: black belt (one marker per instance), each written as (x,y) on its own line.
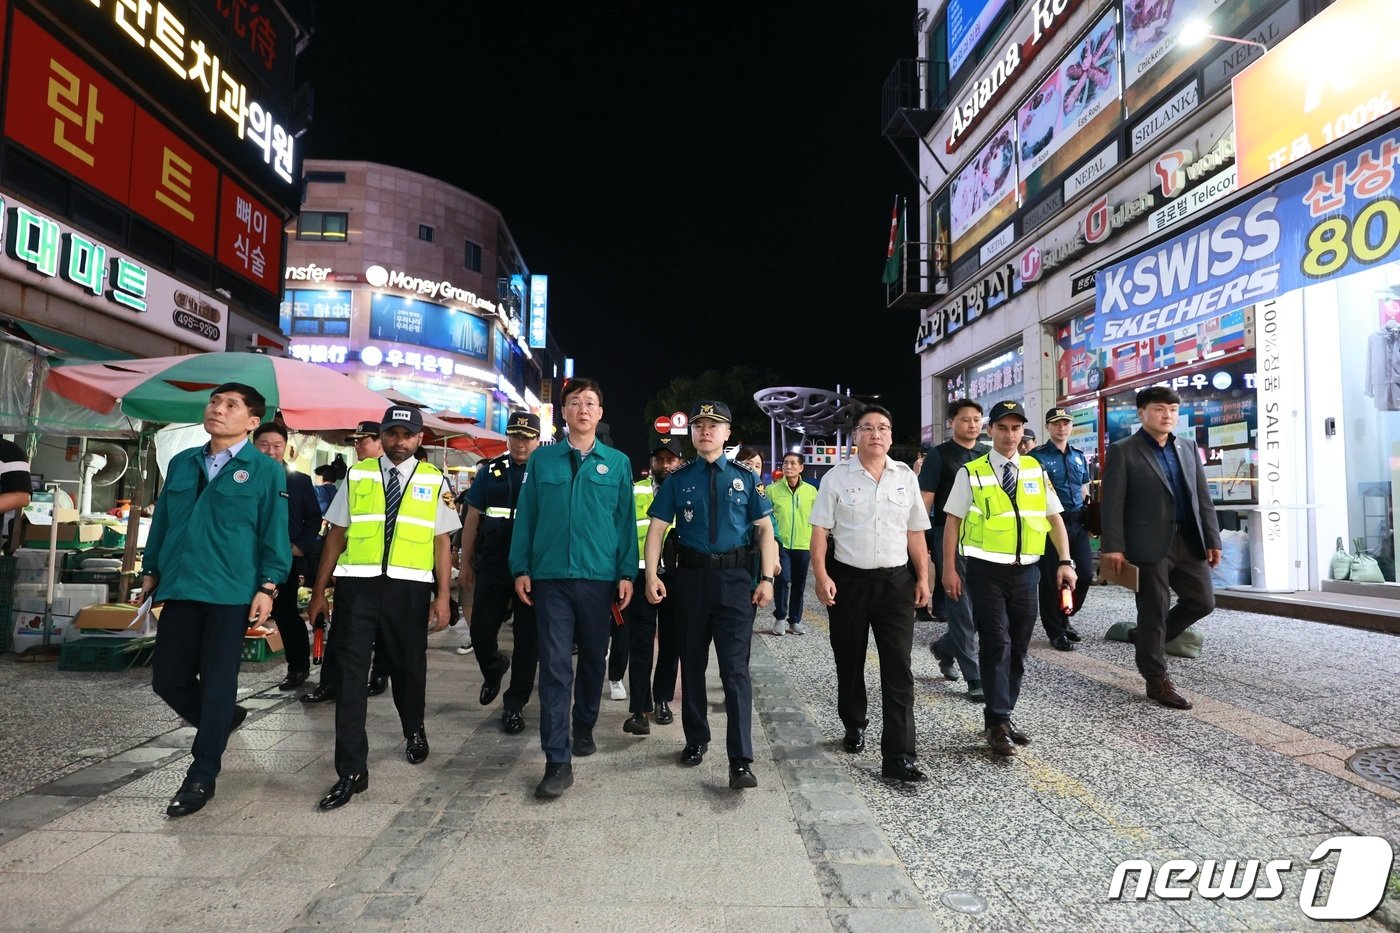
(880,573)
(739,557)
(1073,513)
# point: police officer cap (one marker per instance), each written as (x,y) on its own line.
(715,411)
(1007,409)
(401,416)
(659,443)
(1058,414)
(1028,434)
(364,429)
(523,424)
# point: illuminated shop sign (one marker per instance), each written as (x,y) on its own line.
(1047,16)
(988,294)
(189,56)
(539,309)
(250,236)
(967,24)
(406,320)
(307,273)
(380,355)
(444,290)
(1154,59)
(43,252)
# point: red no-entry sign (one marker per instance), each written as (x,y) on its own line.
(662,425)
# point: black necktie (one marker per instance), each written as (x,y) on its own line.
(1008,480)
(714,503)
(392,494)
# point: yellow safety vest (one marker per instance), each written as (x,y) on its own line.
(997,529)
(411,551)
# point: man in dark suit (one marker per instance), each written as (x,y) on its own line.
(304,530)
(1157,513)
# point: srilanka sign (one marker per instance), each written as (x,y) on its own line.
(1337,219)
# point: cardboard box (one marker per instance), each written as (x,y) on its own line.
(28,618)
(111,618)
(70,534)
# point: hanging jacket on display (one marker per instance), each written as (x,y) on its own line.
(1383,367)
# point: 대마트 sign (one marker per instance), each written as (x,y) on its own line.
(1338,219)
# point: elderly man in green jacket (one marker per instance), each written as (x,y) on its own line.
(573,551)
(217,550)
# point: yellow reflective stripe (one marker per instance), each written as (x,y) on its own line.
(1027,513)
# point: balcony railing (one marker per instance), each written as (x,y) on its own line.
(915,95)
(922,277)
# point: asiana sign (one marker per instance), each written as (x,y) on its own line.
(1338,219)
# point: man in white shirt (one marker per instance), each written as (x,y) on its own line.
(871,506)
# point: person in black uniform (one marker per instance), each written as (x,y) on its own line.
(365,439)
(304,530)
(715,505)
(1067,470)
(959,644)
(485,580)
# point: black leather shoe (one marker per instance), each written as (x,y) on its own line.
(417,749)
(240,713)
(292,681)
(854,742)
(190,798)
(323,693)
(663,714)
(492,686)
(583,741)
(999,738)
(377,685)
(897,769)
(512,723)
(557,779)
(637,725)
(1062,643)
(343,790)
(692,755)
(1017,736)
(740,776)
(1071,633)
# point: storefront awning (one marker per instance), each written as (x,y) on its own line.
(68,348)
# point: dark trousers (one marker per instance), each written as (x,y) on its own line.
(292,626)
(1184,570)
(491,600)
(392,614)
(716,605)
(330,660)
(791,588)
(620,641)
(1052,617)
(1003,606)
(195,671)
(651,627)
(960,640)
(879,601)
(570,612)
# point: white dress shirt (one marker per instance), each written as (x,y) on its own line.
(870,521)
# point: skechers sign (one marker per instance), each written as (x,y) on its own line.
(1338,219)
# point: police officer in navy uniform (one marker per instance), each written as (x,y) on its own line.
(716,506)
(1067,471)
(485,579)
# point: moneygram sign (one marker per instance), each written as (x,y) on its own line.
(1338,219)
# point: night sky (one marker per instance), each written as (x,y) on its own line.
(704,182)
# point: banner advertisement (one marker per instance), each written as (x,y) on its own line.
(1336,220)
(1075,102)
(1294,100)
(967,24)
(398,319)
(983,194)
(1152,60)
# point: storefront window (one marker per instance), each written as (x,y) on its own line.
(1217,412)
(307,312)
(993,379)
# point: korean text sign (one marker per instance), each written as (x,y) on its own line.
(424,324)
(1337,219)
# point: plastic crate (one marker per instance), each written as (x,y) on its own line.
(256,649)
(98,653)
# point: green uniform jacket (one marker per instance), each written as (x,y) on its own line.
(792,513)
(219,546)
(571,527)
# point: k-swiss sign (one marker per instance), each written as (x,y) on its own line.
(1047,16)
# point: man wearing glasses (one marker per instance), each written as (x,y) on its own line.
(572,552)
(872,507)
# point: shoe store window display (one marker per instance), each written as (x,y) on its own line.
(1000,512)
(390,552)
(218,533)
(870,579)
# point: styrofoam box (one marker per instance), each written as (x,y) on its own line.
(29,623)
(78,595)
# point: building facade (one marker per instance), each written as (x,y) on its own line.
(1099,211)
(405,282)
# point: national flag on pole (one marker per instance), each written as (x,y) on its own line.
(892,256)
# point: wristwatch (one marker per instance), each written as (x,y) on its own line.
(766,579)
(267,589)
(1067,563)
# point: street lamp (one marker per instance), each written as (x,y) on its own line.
(1198,29)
